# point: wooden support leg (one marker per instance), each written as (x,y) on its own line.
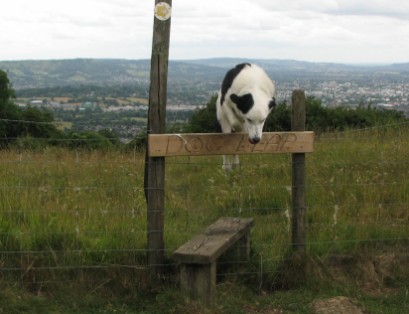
(244,248)
(199,281)
(240,252)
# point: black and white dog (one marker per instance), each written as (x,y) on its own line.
(243,104)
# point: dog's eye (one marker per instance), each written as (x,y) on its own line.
(249,120)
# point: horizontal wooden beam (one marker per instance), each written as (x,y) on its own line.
(201,144)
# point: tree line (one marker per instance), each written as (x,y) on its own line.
(36,127)
(318,118)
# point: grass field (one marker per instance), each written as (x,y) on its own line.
(73,228)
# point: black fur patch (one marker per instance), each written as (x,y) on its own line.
(244,103)
(229,78)
(272,104)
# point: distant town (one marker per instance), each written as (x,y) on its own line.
(113,94)
(332,93)
(385,95)
(125,117)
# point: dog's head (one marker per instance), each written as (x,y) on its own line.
(254,109)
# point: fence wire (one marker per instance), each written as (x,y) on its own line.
(65,212)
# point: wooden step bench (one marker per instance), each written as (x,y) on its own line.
(198,257)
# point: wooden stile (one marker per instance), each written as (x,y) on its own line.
(198,257)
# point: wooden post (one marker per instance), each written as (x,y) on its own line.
(154,181)
(199,281)
(298,218)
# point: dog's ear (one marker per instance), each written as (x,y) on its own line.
(244,103)
(272,104)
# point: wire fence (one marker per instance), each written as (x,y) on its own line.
(69,215)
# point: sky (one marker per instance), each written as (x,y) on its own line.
(341,31)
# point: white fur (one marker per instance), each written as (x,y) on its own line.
(251,80)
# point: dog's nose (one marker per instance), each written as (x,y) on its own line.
(254,140)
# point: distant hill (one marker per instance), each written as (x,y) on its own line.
(207,73)
(100,72)
(194,82)
(50,73)
(276,65)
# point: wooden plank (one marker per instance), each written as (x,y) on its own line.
(200,144)
(207,247)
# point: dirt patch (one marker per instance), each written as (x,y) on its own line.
(337,305)
(373,274)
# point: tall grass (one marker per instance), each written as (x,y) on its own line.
(67,214)
(77,215)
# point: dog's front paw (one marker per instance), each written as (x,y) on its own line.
(228,167)
(230,163)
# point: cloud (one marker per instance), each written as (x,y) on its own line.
(317,30)
(392,8)
(343,31)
